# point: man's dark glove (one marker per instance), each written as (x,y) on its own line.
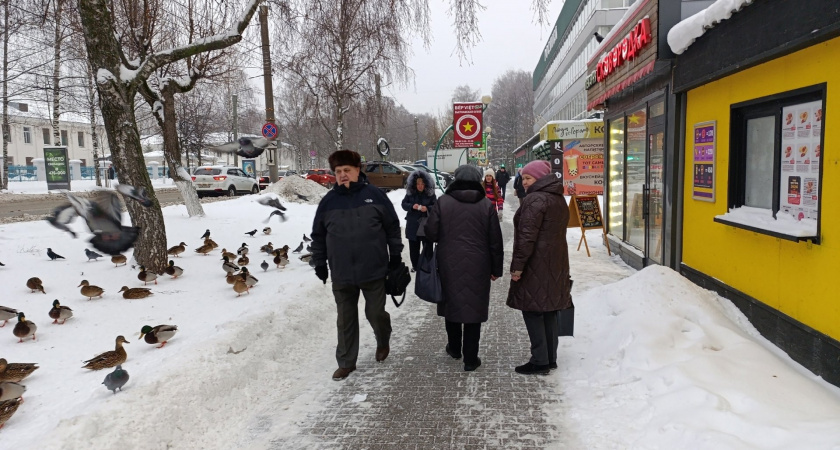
(394,263)
(322,273)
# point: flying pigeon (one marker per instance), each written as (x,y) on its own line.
(138,194)
(61,216)
(245,147)
(104,219)
(206,234)
(53,255)
(116,379)
(92,255)
(298,249)
(273,203)
(302,197)
(276,212)
(252,232)
(264,266)
(306,239)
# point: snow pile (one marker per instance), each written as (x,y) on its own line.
(683,34)
(294,187)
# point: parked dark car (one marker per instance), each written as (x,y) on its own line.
(385,175)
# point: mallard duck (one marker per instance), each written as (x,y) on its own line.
(159,334)
(239,286)
(173,270)
(145,276)
(119,259)
(250,280)
(15,371)
(135,293)
(282,251)
(242,250)
(267,248)
(280,261)
(267,230)
(231,278)
(211,243)
(60,312)
(90,291)
(177,250)
(204,249)
(108,359)
(116,379)
(243,261)
(24,328)
(35,284)
(228,266)
(7,314)
(229,255)
(8,409)
(10,390)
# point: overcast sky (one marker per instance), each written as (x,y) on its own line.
(510,40)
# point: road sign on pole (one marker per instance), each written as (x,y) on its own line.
(467,118)
(269,130)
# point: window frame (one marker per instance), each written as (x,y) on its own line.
(771,105)
(81,139)
(27,135)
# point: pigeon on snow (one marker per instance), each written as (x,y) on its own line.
(53,255)
(92,255)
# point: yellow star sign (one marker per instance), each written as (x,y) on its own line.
(468,127)
(634,119)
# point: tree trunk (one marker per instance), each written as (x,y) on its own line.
(57,72)
(117,105)
(4,183)
(172,153)
(94,138)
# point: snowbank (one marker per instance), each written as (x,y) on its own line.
(683,34)
(298,190)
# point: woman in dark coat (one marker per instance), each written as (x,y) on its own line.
(419,197)
(470,251)
(539,270)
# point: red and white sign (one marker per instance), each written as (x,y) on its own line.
(269,130)
(626,50)
(467,118)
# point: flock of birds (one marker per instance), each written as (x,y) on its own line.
(111,237)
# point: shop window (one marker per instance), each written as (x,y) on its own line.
(27,135)
(635,167)
(775,164)
(616,200)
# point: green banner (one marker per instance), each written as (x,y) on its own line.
(57,166)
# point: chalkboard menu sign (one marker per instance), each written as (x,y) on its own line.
(585,212)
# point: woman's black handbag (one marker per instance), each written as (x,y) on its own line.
(396,283)
(421,226)
(427,280)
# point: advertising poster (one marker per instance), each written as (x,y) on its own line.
(249,166)
(703,185)
(583,166)
(800,160)
(467,119)
(57,166)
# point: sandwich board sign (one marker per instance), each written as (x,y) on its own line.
(585,212)
(57,167)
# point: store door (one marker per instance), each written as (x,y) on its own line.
(654,196)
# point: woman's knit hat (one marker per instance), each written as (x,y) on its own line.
(489,172)
(537,169)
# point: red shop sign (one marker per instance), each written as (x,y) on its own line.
(626,50)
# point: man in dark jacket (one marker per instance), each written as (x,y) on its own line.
(503,178)
(357,231)
(517,185)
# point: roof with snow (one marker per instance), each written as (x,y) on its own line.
(683,34)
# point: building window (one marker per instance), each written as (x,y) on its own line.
(616,201)
(29,160)
(64,138)
(27,135)
(81,139)
(775,161)
(45,132)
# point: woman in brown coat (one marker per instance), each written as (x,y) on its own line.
(540,266)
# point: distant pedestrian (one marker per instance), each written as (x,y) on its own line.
(112,173)
(357,231)
(491,191)
(517,185)
(539,269)
(503,178)
(469,255)
(419,197)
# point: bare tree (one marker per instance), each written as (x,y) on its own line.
(511,116)
(121,73)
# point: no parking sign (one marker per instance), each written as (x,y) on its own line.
(269,130)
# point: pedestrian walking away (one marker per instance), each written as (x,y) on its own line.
(420,195)
(357,232)
(539,269)
(503,178)
(517,185)
(465,226)
(491,191)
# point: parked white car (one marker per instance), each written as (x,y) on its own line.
(223,180)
